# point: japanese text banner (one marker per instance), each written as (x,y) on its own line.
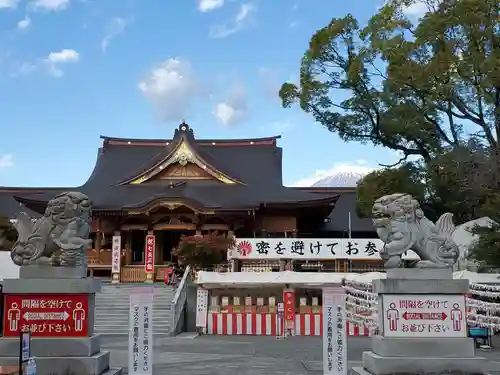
(140,343)
(309,248)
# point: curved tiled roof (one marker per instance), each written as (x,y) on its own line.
(257,164)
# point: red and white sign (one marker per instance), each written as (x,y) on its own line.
(116,254)
(289,304)
(149,254)
(424,316)
(46,315)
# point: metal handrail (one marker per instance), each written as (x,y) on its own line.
(180,297)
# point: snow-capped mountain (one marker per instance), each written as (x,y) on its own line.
(341,175)
(340,179)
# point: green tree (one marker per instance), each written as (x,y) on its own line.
(419,88)
(486,250)
(406,179)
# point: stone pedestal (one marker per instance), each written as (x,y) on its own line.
(429,333)
(57,304)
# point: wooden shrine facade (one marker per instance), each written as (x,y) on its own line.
(167,188)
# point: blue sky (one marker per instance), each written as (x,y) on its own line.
(72,70)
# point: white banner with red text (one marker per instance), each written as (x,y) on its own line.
(309,248)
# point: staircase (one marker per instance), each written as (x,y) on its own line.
(112,308)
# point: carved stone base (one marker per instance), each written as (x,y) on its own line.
(409,354)
(93,365)
(49,272)
(57,355)
(414,364)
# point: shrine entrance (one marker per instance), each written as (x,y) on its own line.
(167,241)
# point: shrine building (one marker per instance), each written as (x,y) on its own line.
(185,185)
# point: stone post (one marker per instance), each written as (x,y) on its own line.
(423,326)
(57,305)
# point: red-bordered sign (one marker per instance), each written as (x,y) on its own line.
(149,254)
(289,301)
(46,315)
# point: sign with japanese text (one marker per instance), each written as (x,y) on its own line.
(309,248)
(334,332)
(140,340)
(46,315)
(149,254)
(116,254)
(202,307)
(424,316)
(289,305)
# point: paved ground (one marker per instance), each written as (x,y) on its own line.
(244,355)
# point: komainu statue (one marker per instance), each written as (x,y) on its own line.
(59,238)
(402,226)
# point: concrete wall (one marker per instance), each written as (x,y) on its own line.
(190,310)
(8,270)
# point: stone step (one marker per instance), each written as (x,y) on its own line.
(122,320)
(124,309)
(127,299)
(114,371)
(127,296)
(113,308)
(125,333)
(125,312)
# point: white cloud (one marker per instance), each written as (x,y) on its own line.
(8,4)
(63,56)
(171,86)
(55,59)
(209,5)
(354,168)
(234,108)
(115,27)
(416,10)
(6,161)
(293,21)
(12,67)
(24,23)
(241,20)
(50,5)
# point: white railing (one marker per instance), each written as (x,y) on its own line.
(180,299)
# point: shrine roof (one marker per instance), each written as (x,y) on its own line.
(202,198)
(121,162)
(345,207)
(267,141)
(244,173)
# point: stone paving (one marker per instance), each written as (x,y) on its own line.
(242,355)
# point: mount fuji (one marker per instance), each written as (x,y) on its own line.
(341,175)
(340,179)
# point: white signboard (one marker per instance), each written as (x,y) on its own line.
(424,315)
(334,332)
(140,340)
(116,252)
(309,248)
(201,307)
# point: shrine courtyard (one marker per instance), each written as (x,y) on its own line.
(247,355)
